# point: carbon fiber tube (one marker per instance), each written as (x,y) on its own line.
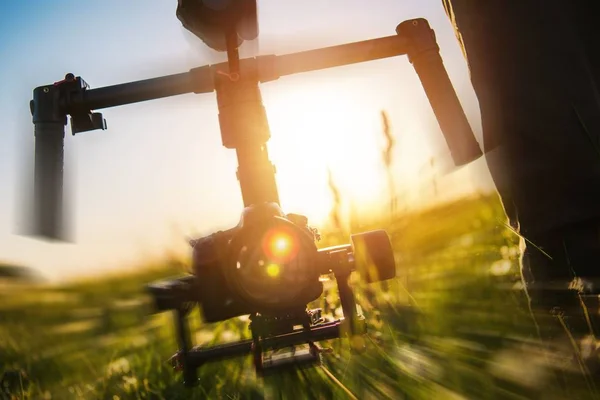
(197,80)
(425,58)
(48,180)
(337,56)
(200,355)
(447,109)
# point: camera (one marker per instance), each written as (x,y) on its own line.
(267,264)
(269,267)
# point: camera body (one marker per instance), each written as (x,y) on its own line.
(268,267)
(238,273)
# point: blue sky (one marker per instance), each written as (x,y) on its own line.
(159,172)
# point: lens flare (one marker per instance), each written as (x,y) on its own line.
(273,270)
(277,269)
(280,246)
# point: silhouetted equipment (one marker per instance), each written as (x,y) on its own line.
(269,265)
(208,20)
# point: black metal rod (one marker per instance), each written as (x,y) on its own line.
(425,57)
(233,55)
(345,54)
(256,175)
(190,376)
(198,80)
(347,299)
(447,108)
(198,356)
(49,131)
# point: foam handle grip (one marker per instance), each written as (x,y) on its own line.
(446,107)
(48,180)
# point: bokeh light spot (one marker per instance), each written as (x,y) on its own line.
(273,270)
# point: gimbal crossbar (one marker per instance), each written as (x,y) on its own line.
(52,103)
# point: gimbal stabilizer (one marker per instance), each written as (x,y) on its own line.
(268,266)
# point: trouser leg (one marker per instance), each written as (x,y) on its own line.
(561,273)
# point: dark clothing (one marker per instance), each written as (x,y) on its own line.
(535,68)
(550,276)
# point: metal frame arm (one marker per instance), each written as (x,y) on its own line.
(414,38)
(197,80)
(270,67)
(52,103)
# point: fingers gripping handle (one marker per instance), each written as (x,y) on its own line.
(48,171)
(425,57)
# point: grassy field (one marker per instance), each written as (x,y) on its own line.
(453,325)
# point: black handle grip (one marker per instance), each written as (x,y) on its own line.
(48,181)
(425,58)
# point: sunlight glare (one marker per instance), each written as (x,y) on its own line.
(281,244)
(315,129)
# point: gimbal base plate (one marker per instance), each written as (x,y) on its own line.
(293,358)
(197,356)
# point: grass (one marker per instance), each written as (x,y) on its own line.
(453,325)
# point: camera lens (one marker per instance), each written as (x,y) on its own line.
(274,267)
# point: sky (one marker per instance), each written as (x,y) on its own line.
(159,173)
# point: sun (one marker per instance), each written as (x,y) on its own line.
(316,129)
